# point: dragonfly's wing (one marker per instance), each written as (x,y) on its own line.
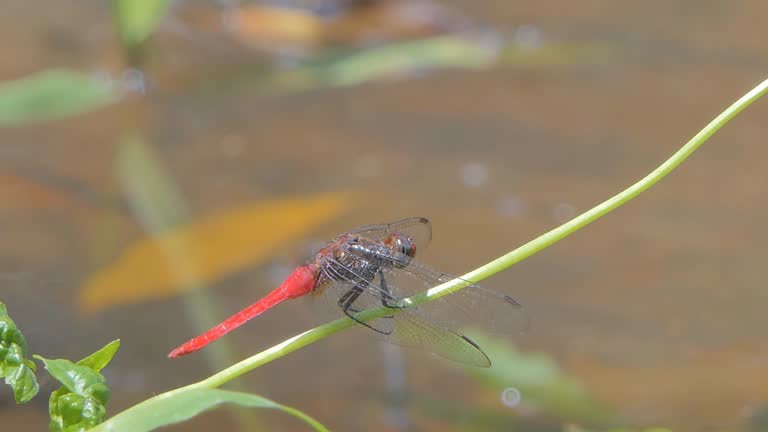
(419,229)
(473,305)
(422,327)
(404,327)
(415,333)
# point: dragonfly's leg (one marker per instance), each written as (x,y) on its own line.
(386,294)
(346,301)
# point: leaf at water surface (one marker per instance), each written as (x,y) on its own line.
(218,246)
(183,404)
(137,19)
(80,403)
(15,367)
(401,59)
(539,382)
(51,94)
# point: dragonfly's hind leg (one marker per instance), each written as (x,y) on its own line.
(345,303)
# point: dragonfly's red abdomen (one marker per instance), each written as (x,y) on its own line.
(299,283)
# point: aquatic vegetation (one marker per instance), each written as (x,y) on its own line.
(52,94)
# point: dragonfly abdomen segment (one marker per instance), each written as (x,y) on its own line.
(300,282)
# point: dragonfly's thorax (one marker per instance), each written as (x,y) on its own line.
(377,255)
(356,259)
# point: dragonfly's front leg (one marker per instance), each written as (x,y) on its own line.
(348,299)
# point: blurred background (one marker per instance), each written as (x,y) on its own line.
(164,164)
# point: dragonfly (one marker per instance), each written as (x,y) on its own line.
(375,266)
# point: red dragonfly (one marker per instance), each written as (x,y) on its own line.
(374,265)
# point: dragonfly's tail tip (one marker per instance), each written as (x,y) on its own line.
(178,352)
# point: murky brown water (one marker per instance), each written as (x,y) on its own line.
(658,308)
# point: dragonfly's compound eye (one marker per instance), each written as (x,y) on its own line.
(402,244)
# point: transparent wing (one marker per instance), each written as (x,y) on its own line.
(474,305)
(433,326)
(410,331)
(407,327)
(419,229)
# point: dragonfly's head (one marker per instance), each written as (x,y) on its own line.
(402,244)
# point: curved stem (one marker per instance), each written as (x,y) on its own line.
(586,218)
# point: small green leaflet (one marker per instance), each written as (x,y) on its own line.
(80,403)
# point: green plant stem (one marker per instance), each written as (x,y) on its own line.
(494,266)
(600,210)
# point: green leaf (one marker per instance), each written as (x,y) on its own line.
(51,94)
(98,360)
(15,367)
(182,404)
(137,19)
(80,403)
(541,384)
(352,67)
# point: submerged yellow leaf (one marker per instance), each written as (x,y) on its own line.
(216,247)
